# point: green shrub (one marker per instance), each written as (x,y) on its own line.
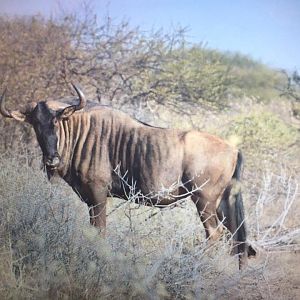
(261,133)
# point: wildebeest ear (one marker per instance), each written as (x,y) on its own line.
(66,112)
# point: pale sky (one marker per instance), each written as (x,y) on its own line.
(267,30)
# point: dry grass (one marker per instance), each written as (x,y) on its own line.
(48,249)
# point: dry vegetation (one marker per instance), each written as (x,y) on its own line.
(48,249)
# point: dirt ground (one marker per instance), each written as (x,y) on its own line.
(282,275)
(279,279)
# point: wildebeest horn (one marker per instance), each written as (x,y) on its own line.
(82,99)
(3,110)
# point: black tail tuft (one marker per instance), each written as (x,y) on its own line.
(241,234)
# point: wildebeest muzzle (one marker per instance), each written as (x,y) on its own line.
(52,162)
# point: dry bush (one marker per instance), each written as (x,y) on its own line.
(277,212)
(49,250)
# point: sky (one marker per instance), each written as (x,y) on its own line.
(266,30)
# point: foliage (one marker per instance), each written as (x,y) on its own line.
(187,77)
(292,91)
(261,132)
(120,66)
(292,88)
(252,78)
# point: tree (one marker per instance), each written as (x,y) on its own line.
(114,63)
(292,90)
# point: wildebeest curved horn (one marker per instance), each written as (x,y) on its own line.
(82,99)
(6,113)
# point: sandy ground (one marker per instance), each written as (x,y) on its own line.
(277,276)
(282,275)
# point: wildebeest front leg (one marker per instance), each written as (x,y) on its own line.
(97,197)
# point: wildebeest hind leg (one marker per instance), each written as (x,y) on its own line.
(208,215)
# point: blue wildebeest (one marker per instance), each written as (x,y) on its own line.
(85,143)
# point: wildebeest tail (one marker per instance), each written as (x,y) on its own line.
(231,212)
(241,231)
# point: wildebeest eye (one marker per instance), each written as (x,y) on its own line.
(55,121)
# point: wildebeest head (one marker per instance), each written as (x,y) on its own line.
(45,123)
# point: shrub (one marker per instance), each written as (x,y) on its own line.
(261,132)
(50,250)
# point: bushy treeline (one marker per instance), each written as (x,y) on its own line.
(118,65)
(253,78)
(113,63)
(249,77)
